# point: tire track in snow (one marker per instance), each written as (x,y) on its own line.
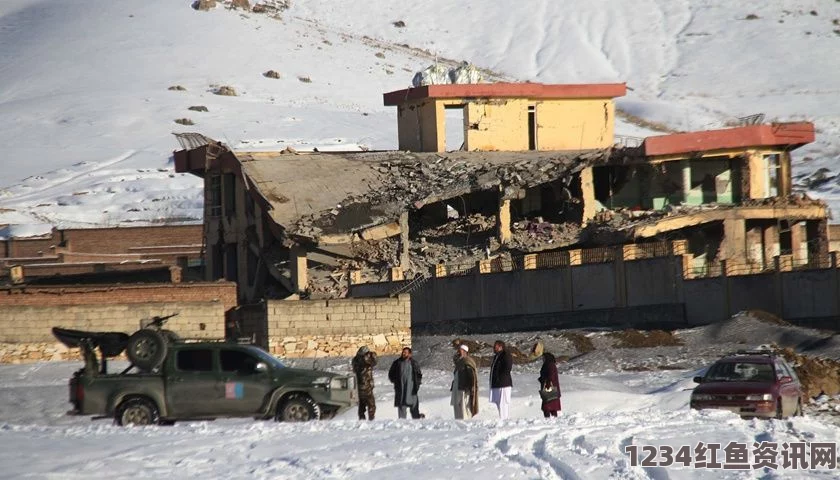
(526,453)
(562,469)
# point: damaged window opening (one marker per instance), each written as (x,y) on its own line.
(252,267)
(532,127)
(232,260)
(785,238)
(217,270)
(229,191)
(618,187)
(711,181)
(772,166)
(214,197)
(454,127)
(467,220)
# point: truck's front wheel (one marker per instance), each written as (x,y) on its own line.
(298,408)
(137,411)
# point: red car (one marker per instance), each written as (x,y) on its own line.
(751,384)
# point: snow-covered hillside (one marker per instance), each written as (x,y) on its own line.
(86,113)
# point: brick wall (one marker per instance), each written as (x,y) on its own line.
(28,247)
(119,240)
(138,240)
(319,328)
(65,295)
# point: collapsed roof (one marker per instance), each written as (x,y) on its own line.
(315,195)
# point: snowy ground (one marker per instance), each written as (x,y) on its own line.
(86,113)
(603,413)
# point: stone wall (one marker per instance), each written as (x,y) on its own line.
(321,328)
(27,314)
(26,336)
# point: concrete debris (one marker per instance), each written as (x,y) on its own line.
(412,181)
(794,200)
(536,235)
(617,225)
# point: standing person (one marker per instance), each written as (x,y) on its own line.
(500,382)
(549,386)
(363,364)
(465,385)
(406,376)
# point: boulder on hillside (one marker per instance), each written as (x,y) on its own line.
(204,5)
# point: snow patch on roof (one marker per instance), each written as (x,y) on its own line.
(30,230)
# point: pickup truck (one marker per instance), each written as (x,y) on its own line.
(201,380)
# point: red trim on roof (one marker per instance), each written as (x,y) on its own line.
(777,134)
(507,90)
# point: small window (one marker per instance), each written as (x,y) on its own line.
(532,127)
(772,176)
(214,196)
(785,238)
(194,360)
(239,362)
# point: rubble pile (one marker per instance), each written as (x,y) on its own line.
(324,283)
(474,223)
(794,200)
(382,253)
(819,376)
(632,338)
(425,254)
(535,235)
(611,222)
(450,176)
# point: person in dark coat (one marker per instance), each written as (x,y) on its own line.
(406,376)
(501,383)
(363,364)
(549,386)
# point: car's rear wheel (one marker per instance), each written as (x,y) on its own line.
(137,411)
(779,412)
(298,408)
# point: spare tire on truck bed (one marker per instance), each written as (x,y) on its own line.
(146,349)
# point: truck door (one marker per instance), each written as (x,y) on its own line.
(243,388)
(191,383)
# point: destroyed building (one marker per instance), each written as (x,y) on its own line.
(490,170)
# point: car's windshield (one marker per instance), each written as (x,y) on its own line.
(266,357)
(740,372)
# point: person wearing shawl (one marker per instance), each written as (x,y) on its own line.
(549,386)
(464,385)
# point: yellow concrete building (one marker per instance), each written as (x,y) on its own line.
(506,116)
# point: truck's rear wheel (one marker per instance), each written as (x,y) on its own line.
(137,411)
(298,408)
(146,349)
